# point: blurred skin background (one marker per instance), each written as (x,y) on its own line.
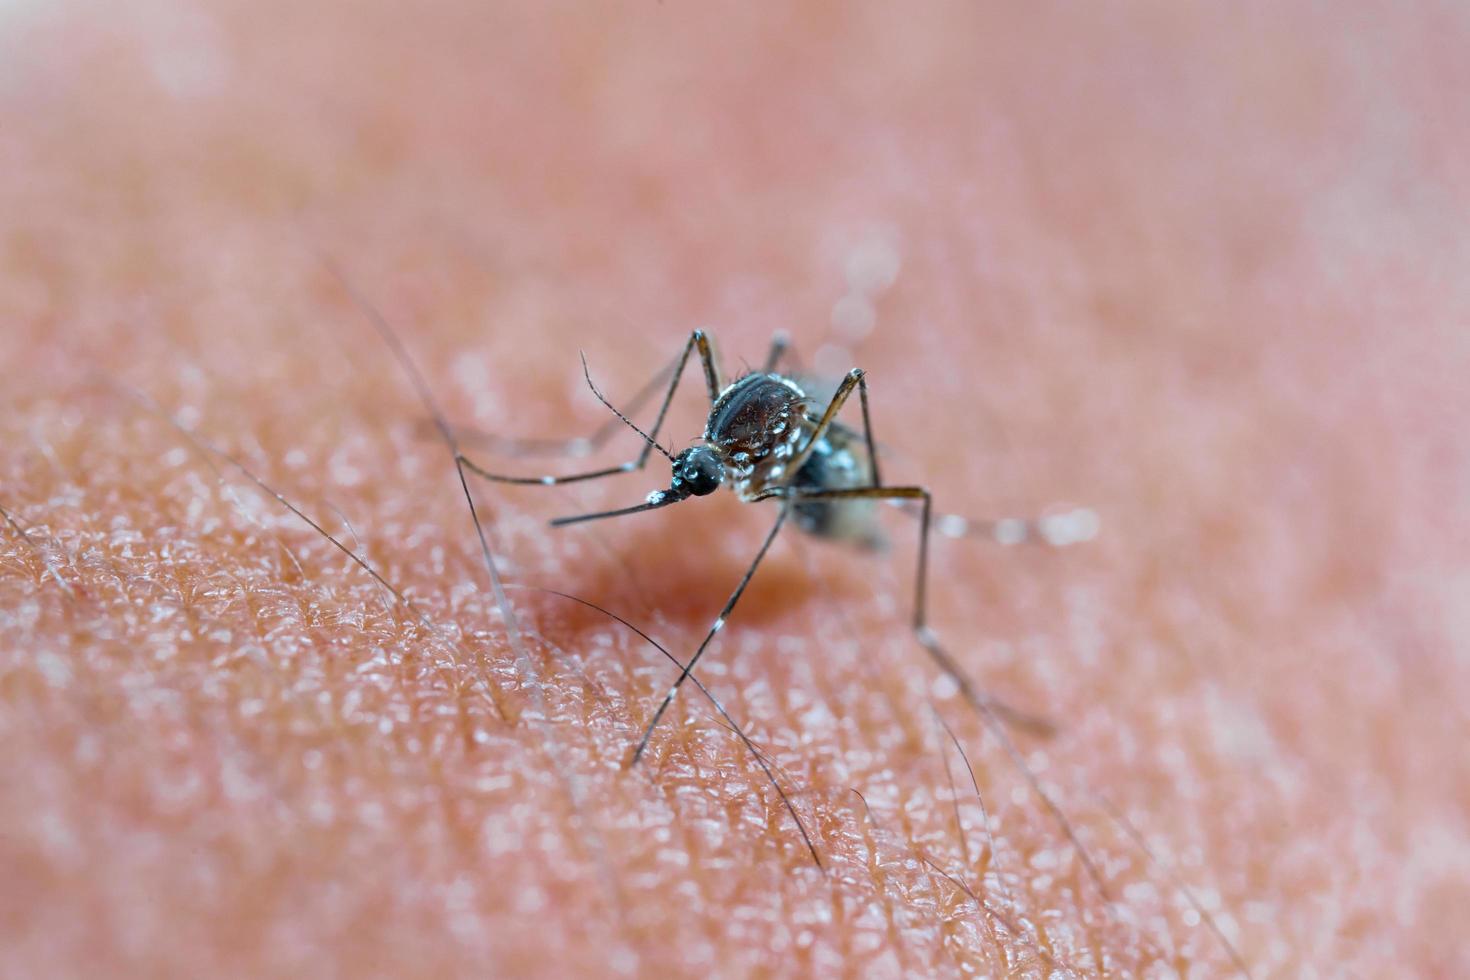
(1198,270)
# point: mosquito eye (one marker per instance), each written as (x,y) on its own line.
(700,471)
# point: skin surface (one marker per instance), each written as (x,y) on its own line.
(1199,271)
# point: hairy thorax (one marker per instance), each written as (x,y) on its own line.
(759,424)
(756,425)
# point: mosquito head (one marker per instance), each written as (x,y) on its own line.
(697,473)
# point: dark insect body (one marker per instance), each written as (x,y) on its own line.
(767,439)
(755,428)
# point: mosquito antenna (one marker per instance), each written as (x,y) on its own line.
(755,752)
(1204,913)
(587,373)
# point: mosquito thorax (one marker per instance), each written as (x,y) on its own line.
(754,426)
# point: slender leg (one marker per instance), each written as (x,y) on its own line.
(829,419)
(854,379)
(697,340)
(1057,530)
(920,624)
(734,726)
(576,445)
(712,382)
(868,430)
(718,625)
(991,711)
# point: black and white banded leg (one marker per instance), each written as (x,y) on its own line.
(697,341)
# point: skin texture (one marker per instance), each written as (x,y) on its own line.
(1199,271)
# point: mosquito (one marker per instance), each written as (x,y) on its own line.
(766,439)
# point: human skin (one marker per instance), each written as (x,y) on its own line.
(1198,271)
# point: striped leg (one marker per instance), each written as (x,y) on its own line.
(718,625)
(697,341)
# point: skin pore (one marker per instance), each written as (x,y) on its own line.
(1196,271)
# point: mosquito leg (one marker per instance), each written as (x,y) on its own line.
(525,667)
(697,341)
(853,379)
(920,624)
(1058,530)
(577,445)
(718,625)
(856,378)
(991,711)
(208,451)
(902,495)
(755,753)
(868,430)
(712,382)
(782,357)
